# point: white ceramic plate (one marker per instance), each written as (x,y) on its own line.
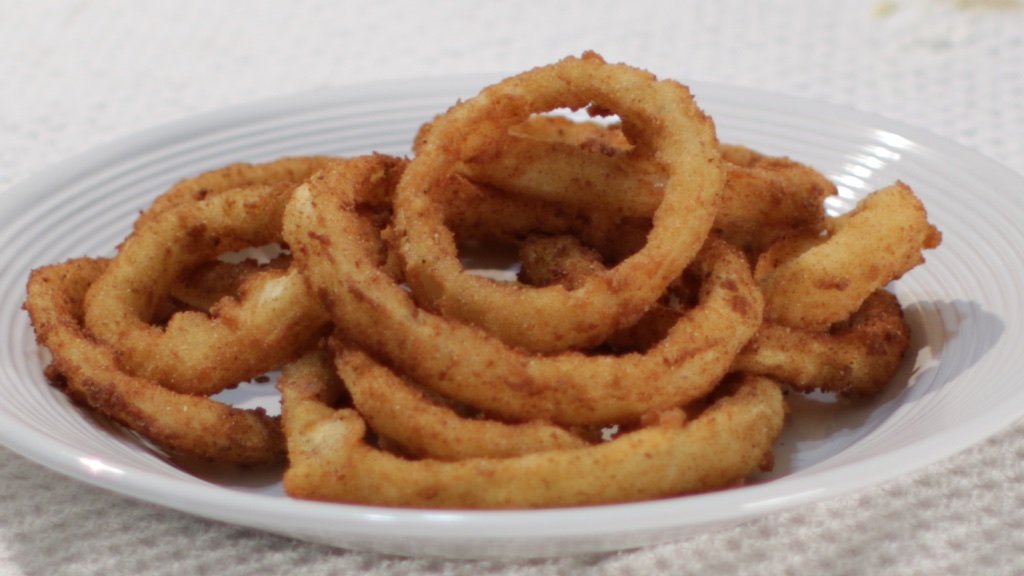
(960,383)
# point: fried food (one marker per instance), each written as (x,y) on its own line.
(669,290)
(181,424)
(427,425)
(562,166)
(565,259)
(603,137)
(339,255)
(667,128)
(198,353)
(586,165)
(561,259)
(282,171)
(203,286)
(857,357)
(880,240)
(331,460)
(767,198)
(478,213)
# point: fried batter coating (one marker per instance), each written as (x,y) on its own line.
(182,424)
(330,459)
(880,240)
(338,253)
(666,126)
(195,352)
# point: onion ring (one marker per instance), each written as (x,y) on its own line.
(338,253)
(722,446)
(587,166)
(767,198)
(287,170)
(480,213)
(181,424)
(671,288)
(856,358)
(567,170)
(428,428)
(881,239)
(564,259)
(195,352)
(667,124)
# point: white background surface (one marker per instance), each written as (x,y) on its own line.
(76,74)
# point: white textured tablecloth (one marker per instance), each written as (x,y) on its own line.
(76,74)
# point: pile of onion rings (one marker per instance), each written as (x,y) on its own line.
(668,291)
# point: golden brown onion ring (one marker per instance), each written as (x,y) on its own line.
(330,460)
(856,358)
(881,239)
(427,427)
(476,212)
(605,179)
(785,249)
(287,170)
(583,165)
(181,424)
(659,116)
(604,137)
(566,260)
(767,198)
(197,353)
(338,252)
